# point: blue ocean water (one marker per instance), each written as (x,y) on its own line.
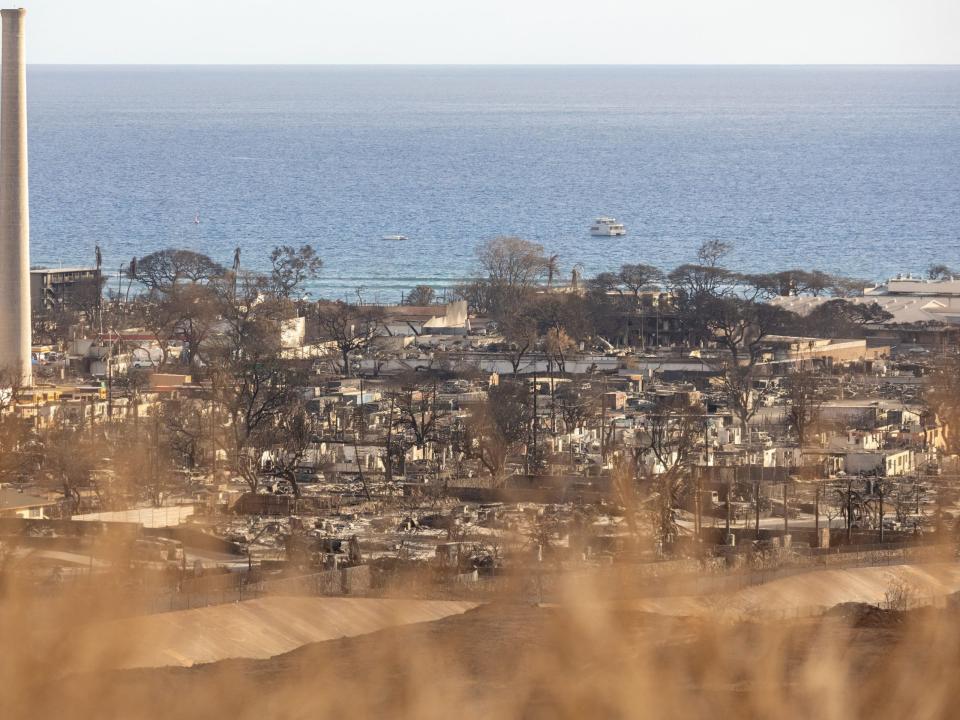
(853,169)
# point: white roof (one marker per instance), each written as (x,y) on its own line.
(916,286)
(904,308)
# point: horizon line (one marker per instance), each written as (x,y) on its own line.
(497,64)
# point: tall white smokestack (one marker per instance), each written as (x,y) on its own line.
(15,331)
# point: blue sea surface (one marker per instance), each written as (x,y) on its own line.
(847,169)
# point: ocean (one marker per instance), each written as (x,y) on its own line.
(847,169)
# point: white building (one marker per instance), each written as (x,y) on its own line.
(887,463)
(909,300)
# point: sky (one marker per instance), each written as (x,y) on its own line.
(492,31)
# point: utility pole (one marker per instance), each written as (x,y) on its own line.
(917,486)
(756,502)
(696,504)
(100,283)
(433,422)
(656,330)
(155,461)
(553,407)
(816,512)
(643,344)
(361,408)
(849,509)
(110,378)
(880,491)
(534,419)
(213,437)
(603,423)
(786,507)
(388,467)
(730,484)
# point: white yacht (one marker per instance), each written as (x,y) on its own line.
(394,237)
(607,227)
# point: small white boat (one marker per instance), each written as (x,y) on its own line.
(394,237)
(607,227)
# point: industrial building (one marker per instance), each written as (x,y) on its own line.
(52,287)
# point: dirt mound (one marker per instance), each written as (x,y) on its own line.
(864,615)
(519,660)
(252,629)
